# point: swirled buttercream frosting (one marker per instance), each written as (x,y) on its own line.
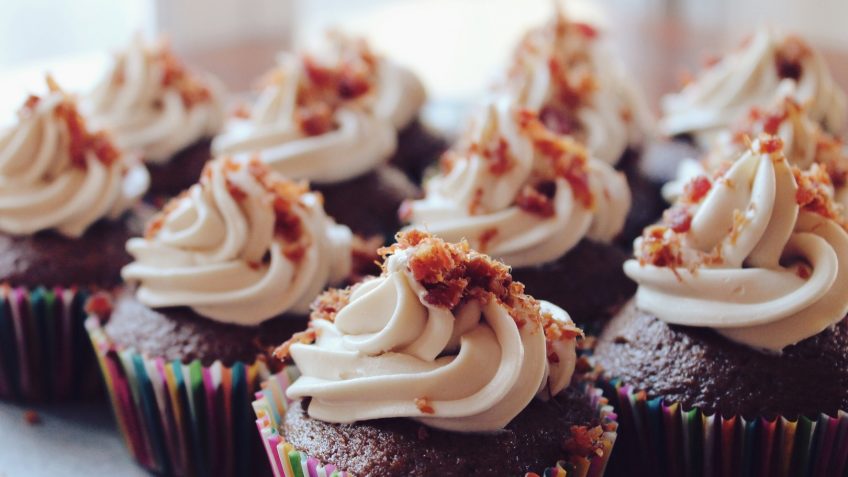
(153,104)
(759,254)
(804,143)
(750,76)
(520,192)
(328,116)
(443,336)
(567,72)
(242,246)
(55,173)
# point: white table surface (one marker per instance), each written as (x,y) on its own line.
(70,440)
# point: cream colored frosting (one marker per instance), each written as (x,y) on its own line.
(804,143)
(360,141)
(152,105)
(475,203)
(389,348)
(365,125)
(754,266)
(565,55)
(224,250)
(746,77)
(55,174)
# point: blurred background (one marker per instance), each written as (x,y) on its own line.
(455,45)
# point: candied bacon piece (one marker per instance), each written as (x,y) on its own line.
(696,189)
(678,218)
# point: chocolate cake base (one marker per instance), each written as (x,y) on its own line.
(418,148)
(699,367)
(179,333)
(180,172)
(534,440)
(369,204)
(50,259)
(588,282)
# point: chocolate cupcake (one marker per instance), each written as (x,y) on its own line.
(750,75)
(65,193)
(156,107)
(737,338)
(225,271)
(804,143)
(333,120)
(566,72)
(440,366)
(538,201)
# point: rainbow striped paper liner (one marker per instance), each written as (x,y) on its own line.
(179,418)
(271,404)
(664,439)
(44,352)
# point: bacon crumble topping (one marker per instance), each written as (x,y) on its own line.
(81,141)
(325,86)
(451,274)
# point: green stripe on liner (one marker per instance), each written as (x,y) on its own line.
(197,405)
(294,459)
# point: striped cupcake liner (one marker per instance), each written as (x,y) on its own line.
(44,352)
(271,404)
(664,439)
(182,419)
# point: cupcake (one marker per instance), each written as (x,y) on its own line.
(224,272)
(750,76)
(440,366)
(732,358)
(804,143)
(156,107)
(566,72)
(538,201)
(65,193)
(333,119)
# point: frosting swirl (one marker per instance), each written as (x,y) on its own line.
(804,143)
(750,76)
(759,254)
(242,246)
(569,74)
(327,118)
(153,104)
(520,192)
(466,353)
(56,174)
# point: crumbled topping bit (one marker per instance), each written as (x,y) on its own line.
(564,44)
(175,75)
(324,86)
(660,246)
(556,330)
(678,218)
(561,157)
(486,237)
(452,273)
(32,417)
(695,190)
(285,196)
(585,441)
(790,56)
(423,405)
(307,336)
(81,141)
(497,154)
(328,304)
(99,305)
(814,193)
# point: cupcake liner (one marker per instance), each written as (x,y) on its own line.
(271,404)
(44,353)
(662,438)
(182,418)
